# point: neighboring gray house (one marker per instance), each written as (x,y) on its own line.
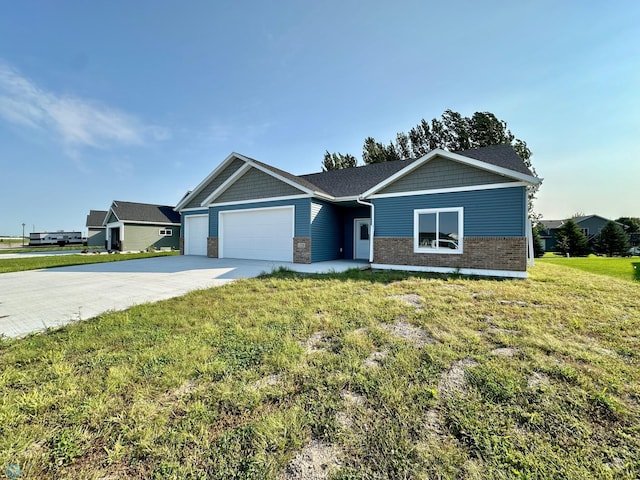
(138,226)
(463,211)
(95,228)
(590,225)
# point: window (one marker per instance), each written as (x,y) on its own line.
(166,232)
(438,230)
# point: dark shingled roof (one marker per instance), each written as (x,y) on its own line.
(144,212)
(354,181)
(499,155)
(96,218)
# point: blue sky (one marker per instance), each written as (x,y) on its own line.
(139,101)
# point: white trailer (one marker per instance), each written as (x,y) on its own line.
(55,238)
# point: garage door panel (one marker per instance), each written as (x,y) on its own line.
(261,234)
(196,233)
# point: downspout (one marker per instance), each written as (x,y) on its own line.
(370,205)
(530,250)
(529,232)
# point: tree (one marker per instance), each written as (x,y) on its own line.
(335,161)
(632,223)
(538,247)
(612,241)
(571,240)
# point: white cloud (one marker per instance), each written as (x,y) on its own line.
(76,121)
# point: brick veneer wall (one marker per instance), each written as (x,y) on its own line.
(487,253)
(181,246)
(212,247)
(301,250)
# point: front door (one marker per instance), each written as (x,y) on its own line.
(362,234)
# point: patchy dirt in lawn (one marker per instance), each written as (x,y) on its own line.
(406,331)
(315,342)
(538,380)
(411,299)
(268,381)
(453,380)
(316,461)
(374,360)
(504,351)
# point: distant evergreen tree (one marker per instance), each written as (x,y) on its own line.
(335,161)
(538,247)
(612,241)
(571,240)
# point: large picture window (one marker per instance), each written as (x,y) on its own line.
(438,230)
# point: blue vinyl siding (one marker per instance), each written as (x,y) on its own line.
(302,214)
(183,216)
(487,213)
(326,232)
(350,214)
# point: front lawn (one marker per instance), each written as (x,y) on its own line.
(51,261)
(346,376)
(617,267)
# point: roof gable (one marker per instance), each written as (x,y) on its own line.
(442,173)
(250,184)
(131,212)
(96,218)
(496,167)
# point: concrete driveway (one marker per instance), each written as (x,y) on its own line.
(38,299)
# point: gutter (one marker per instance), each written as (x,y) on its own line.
(373,216)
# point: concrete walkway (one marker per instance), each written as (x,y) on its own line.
(38,299)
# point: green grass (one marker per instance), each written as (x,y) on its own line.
(51,248)
(49,261)
(616,267)
(396,375)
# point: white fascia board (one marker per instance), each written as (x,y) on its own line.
(438,152)
(464,271)
(208,178)
(142,222)
(260,200)
(470,188)
(226,184)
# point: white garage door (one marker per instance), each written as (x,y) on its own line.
(196,231)
(257,234)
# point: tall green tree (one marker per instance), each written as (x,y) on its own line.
(452,132)
(632,223)
(612,241)
(571,240)
(336,161)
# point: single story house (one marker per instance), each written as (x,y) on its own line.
(139,226)
(446,211)
(590,226)
(95,228)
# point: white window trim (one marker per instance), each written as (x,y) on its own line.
(165,232)
(416,230)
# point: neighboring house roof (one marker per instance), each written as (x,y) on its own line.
(144,213)
(95,219)
(365,180)
(552,224)
(555,224)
